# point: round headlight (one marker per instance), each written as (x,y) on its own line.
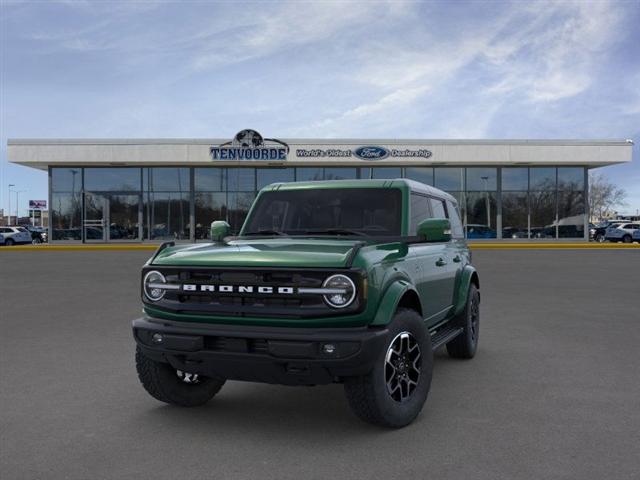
(343,291)
(151,281)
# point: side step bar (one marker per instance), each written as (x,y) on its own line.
(444,335)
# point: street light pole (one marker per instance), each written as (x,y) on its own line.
(18,192)
(9,214)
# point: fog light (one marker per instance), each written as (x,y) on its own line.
(157,338)
(328,348)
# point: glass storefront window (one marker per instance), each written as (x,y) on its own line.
(542,178)
(571,211)
(381,172)
(571,178)
(340,173)
(209,206)
(482,179)
(167,216)
(420,174)
(542,207)
(515,179)
(209,179)
(265,176)
(66,218)
(166,179)
(238,207)
(515,215)
(66,179)
(449,179)
(241,179)
(306,174)
(481,215)
(112,179)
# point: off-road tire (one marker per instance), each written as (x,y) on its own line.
(368,395)
(161,381)
(466,344)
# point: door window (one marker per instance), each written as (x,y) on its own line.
(420,209)
(437,207)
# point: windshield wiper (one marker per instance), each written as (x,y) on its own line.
(266,232)
(335,231)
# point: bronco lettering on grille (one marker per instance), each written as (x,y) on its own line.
(190,287)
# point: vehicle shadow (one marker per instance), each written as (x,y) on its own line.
(282,411)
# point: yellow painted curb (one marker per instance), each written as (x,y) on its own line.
(553,246)
(79,247)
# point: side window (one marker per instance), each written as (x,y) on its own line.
(437,207)
(456,224)
(420,209)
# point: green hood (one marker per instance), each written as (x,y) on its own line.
(270,252)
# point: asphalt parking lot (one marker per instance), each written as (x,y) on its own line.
(554,391)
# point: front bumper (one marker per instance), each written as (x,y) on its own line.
(279,355)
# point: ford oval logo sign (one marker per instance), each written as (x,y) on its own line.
(371,153)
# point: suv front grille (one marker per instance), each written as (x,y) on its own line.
(251,304)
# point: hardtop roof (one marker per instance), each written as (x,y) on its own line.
(363,183)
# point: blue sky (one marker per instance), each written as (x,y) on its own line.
(322,69)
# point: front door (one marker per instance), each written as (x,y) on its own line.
(96,209)
(435,272)
(112,217)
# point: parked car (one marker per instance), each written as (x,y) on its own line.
(354,282)
(622,232)
(15,235)
(38,234)
(514,232)
(599,231)
(480,231)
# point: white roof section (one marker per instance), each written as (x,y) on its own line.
(42,153)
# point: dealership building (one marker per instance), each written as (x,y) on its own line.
(132,190)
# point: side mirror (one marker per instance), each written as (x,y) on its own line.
(219,230)
(435,230)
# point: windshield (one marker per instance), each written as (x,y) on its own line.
(345,211)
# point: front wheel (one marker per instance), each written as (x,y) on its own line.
(393,392)
(599,238)
(36,241)
(9,242)
(626,239)
(172,386)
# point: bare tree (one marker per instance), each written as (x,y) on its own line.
(604,196)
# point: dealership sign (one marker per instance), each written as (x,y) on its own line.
(38,204)
(366,152)
(250,145)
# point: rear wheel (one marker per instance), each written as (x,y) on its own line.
(393,393)
(165,383)
(9,241)
(466,344)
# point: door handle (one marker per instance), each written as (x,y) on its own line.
(457,259)
(441,263)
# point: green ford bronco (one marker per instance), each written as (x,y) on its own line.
(350,281)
